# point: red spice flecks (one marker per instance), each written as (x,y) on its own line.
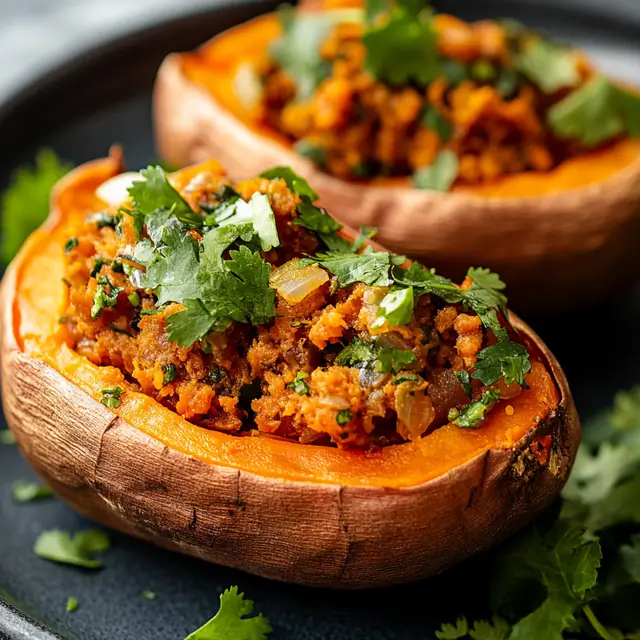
(541,447)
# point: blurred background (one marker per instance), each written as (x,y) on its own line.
(35,35)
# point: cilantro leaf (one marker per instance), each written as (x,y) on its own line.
(402,49)
(24,491)
(192,323)
(105,296)
(232,621)
(25,203)
(257,212)
(440,175)
(362,354)
(396,308)
(588,114)
(297,52)
(72,604)
(323,225)
(299,384)
(174,268)
(497,629)
(366,234)
(7,437)
(295,182)
(548,65)
(473,414)
(505,359)
(453,632)
(370,267)
(465,382)
(59,546)
(154,196)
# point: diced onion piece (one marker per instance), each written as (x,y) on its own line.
(414,408)
(294,284)
(247,86)
(115,190)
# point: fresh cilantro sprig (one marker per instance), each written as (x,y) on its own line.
(60,546)
(401,43)
(233,620)
(596,112)
(567,577)
(25,203)
(548,65)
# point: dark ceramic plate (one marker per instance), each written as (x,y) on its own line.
(104,97)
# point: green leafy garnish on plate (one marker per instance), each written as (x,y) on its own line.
(7,437)
(24,491)
(60,546)
(25,203)
(233,621)
(72,604)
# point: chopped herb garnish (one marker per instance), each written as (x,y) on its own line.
(98,263)
(483,71)
(465,382)
(434,120)
(170,373)
(549,66)
(25,203)
(59,546)
(102,219)
(148,595)
(505,359)
(216,375)
(401,379)
(24,491)
(344,416)
(111,397)
(596,112)
(63,320)
(312,151)
(366,234)
(361,353)
(70,245)
(106,296)
(472,415)
(232,621)
(72,605)
(440,175)
(134,299)
(7,437)
(402,48)
(299,384)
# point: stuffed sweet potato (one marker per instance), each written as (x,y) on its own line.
(217,367)
(460,142)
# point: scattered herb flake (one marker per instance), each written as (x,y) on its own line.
(72,604)
(70,245)
(299,384)
(344,416)
(106,296)
(170,373)
(465,382)
(24,491)
(111,397)
(473,414)
(59,546)
(548,65)
(149,595)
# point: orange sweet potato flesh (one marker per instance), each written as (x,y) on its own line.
(215,65)
(40,294)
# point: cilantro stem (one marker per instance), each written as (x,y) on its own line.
(598,627)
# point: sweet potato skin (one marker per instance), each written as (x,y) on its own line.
(558,251)
(321,534)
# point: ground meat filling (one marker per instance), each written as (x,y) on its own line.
(294,377)
(480,106)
